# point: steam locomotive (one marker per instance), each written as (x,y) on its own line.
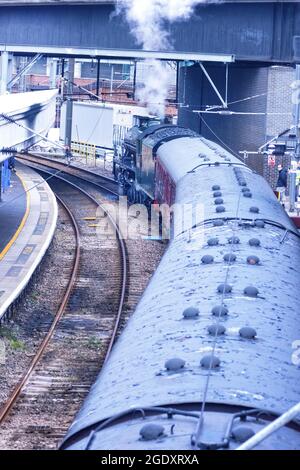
(207,359)
(141,177)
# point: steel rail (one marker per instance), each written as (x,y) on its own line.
(37,155)
(49,159)
(49,163)
(18,389)
(123,253)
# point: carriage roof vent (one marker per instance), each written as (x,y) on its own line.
(247,332)
(251,291)
(216,330)
(229,257)
(207,259)
(191,312)
(253,260)
(210,362)
(152,431)
(254,242)
(175,364)
(242,433)
(224,288)
(220,311)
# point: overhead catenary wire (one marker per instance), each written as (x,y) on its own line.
(216,106)
(33,132)
(100,116)
(248,98)
(18,196)
(219,138)
(95,126)
(92,95)
(226,112)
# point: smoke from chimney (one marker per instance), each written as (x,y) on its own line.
(147,20)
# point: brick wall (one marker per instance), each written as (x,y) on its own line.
(238,132)
(279,100)
(241,132)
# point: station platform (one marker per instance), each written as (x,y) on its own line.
(295,214)
(12,212)
(295,218)
(28,216)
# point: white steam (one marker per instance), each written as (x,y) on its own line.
(155,87)
(147,19)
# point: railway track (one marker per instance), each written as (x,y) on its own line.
(99,181)
(81,336)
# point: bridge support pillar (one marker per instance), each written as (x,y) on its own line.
(4,72)
(247,94)
(52,71)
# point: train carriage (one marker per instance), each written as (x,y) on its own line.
(206,361)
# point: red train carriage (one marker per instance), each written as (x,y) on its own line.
(165,188)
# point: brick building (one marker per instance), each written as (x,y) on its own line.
(279,99)
(280,115)
(266,91)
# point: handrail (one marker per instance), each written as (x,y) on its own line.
(284,419)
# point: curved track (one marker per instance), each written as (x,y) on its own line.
(89,317)
(17,391)
(100,181)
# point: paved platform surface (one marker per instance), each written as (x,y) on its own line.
(295,215)
(28,214)
(12,212)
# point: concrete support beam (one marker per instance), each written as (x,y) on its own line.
(69,115)
(10,68)
(52,72)
(250,31)
(77,70)
(4,59)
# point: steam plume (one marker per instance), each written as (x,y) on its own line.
(147,20)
